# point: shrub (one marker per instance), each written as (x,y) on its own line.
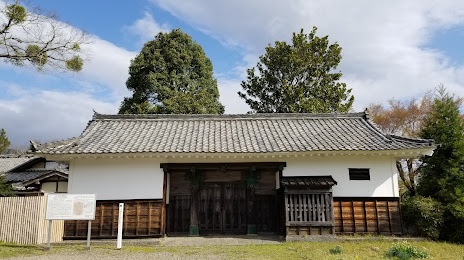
(403,250)
(424,214)
(336,250)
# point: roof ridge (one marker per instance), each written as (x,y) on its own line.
(390,137)
(376,130)
(256,116)
(414,140)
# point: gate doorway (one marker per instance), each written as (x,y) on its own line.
(222,198)
(222,208)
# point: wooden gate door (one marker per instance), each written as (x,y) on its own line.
(222,208)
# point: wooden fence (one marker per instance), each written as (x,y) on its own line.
(308,213)
(367,215)
(142,218)
(22,221)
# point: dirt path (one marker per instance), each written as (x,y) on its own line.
(112,254)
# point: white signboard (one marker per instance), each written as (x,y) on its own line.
(70,207)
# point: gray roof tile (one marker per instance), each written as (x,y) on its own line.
(9,162)
(259,133)
(31,174)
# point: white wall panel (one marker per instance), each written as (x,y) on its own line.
(117,179)
(383,183)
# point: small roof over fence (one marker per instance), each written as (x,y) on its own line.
(243,134)
(309,181)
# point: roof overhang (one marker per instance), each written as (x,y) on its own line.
(308,181)
(407,153)
(45,176)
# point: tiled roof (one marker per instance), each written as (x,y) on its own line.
(31,174)
(312,181)
(9,162)
(258,133)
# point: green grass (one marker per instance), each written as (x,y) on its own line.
(8,250)
(295,250)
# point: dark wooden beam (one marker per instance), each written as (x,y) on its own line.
(222,166)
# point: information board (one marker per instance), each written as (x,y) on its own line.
(62,206)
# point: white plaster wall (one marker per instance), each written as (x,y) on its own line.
(117,179)
(62,186)
(50,187)
(383,182)
(142,178)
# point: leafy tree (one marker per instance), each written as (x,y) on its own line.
(442,173)
(39,39)
(4,142)
(404,118)
(172,75)
(6,190)
(298,78)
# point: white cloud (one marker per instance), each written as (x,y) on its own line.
(383,42)
(48,115)
(229,98)
(48,109)
(146,28)
(108,65)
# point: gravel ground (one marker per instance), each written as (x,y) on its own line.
(113,254)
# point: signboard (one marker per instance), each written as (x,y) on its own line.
(70,207)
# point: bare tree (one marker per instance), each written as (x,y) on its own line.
(404,118)
(39,38)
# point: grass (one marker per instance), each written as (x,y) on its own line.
(296,250)
(8,250)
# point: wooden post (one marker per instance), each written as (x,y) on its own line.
(195,177)
(194,194)
(389,217)
(341,216)
(377,216)
(163,209)
(251,228)
(365,215)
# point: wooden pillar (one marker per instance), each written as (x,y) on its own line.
(195,177)
(194,194)
(252,177)
(251,227)
(163,209)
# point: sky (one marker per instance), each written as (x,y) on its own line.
(390,49)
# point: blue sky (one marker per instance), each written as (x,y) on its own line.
(395,49)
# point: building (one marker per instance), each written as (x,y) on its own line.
(293,174)
(31,175)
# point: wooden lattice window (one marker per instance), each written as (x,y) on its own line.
(359,174)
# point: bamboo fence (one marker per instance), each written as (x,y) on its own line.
(22,221)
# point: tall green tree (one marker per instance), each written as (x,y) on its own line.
(4,142)
(298,78)
(442,174)
(38,39)
(172,75)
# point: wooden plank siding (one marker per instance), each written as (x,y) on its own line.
(367,215)
(142,218)
(22,221)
